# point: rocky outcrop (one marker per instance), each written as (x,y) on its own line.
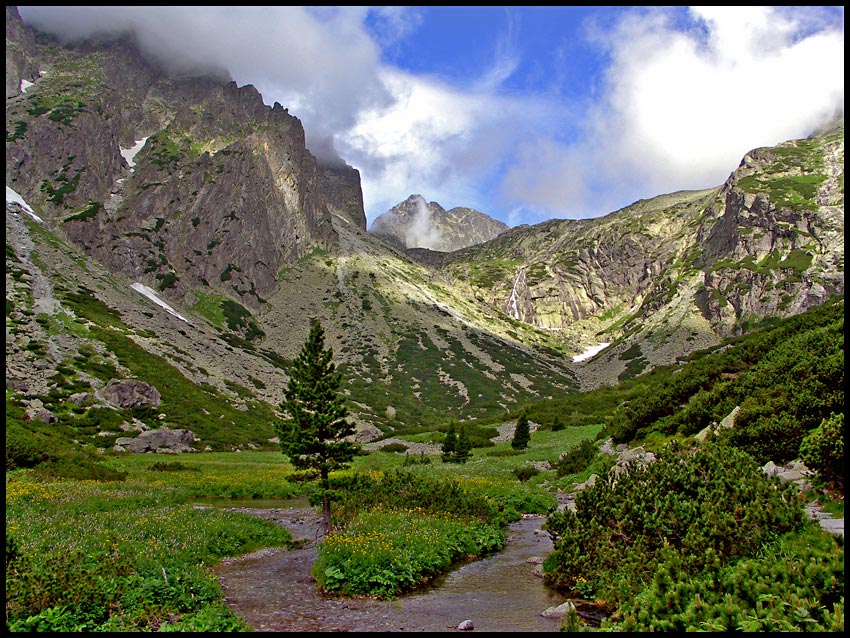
(777,248)
(159,441)
(561,272)
(20,53)
(130,393)
(415,223)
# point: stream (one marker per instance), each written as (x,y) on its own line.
(272,589)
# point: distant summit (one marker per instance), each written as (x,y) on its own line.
(415,223)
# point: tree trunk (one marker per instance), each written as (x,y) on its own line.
(326,502)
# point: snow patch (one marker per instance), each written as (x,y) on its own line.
(25,84)
(590,351)
(13,197)
(151,294)
(129,154)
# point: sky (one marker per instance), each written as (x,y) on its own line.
(522,113)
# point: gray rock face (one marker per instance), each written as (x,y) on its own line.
(222,193)
(415,223)
(560,611)
(20,50)
(160,441)
(130,393)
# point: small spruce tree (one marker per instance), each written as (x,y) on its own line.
(449,445)
(463,449)
(522,434)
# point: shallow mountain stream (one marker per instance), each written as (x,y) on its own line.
(272,589)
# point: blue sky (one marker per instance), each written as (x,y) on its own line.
(524,113)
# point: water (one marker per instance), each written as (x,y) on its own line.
(273,591)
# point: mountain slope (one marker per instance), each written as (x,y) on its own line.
(178,181)
(666,276)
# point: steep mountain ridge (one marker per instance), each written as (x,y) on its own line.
(222,193)
(416,223)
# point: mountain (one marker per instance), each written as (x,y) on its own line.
(191,181)
(415,223)
(177,231)
(673,274)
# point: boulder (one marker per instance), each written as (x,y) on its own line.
(160,441)
(130,393)
(560,611)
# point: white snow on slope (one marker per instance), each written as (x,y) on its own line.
(25,84)
(590,351)
(13,196)
(151,294)
(129,154)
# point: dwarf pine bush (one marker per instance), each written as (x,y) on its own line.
(688,514)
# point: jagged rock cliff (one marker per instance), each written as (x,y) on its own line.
(179,182)
(21,70)
(415,223)
(777,247)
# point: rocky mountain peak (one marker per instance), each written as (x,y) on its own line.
(417,223)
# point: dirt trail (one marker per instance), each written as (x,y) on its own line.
(272,589)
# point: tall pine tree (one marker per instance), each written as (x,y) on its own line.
(314,436)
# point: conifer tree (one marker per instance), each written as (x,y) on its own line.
(314,436)
(522,434)
(449,445)
(463,449)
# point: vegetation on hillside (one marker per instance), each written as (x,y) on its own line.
(693,542)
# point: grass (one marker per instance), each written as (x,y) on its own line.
(119,557)
(135,554)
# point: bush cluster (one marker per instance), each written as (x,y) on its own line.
(576,459)
(786,378)
(401,488)
(822,450)
(689,514)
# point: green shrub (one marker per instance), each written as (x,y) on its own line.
(576,459)
(700,508)
(794,584)
(401,489)
(79,466)
(526,472)
(394,447)
(822,449)
(173,466)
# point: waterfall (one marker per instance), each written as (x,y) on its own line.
(513,305)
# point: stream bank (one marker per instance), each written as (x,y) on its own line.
(273,590)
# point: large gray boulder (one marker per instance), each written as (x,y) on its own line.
(160,441)
(130,393)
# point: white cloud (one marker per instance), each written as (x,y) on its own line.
(320,62)
(682,107)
